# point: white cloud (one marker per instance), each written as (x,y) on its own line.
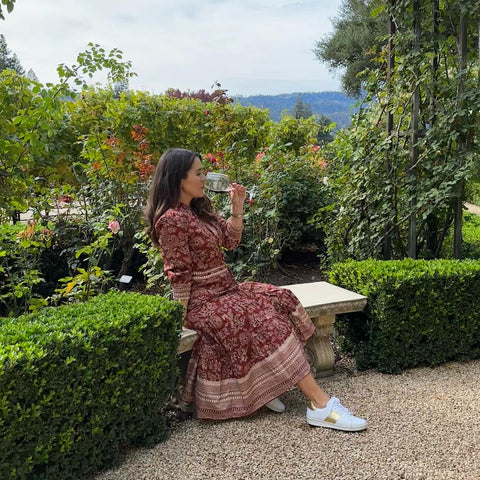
(250,46)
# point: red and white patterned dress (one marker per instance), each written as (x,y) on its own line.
(251,335)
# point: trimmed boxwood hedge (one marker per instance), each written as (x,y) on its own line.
(419,312)
(80,382)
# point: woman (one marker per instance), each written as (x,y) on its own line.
(251,339)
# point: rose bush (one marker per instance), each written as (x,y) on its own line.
(106,147)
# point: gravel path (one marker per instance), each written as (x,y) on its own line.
(472,208)
(423,424)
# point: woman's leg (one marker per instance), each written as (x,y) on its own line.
(312,391)
(334,415)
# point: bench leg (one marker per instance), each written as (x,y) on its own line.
(186,408)
(319,349)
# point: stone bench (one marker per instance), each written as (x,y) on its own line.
(322,301)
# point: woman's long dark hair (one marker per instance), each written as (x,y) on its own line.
(165,189)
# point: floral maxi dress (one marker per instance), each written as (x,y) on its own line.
(251,335)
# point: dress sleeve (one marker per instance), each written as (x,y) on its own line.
(231,235)
(172,233)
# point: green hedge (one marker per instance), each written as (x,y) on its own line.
(419,312)
(80,382)
(473,192)
(471,236)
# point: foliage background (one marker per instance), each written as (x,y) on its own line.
(79,158)
(398,173)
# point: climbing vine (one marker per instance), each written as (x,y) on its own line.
(398,188)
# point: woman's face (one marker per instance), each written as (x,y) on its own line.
(192,185)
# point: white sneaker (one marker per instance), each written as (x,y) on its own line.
(276,405)
(335,415)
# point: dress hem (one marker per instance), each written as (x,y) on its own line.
(233,398)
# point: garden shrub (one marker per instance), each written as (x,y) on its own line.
(82,381)
(102,151)
(35,257)
(419,312)
(21,251)
(285,189)
(472,192)
(470,236)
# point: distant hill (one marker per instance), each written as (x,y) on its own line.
(334,105)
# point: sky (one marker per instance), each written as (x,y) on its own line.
(251,47)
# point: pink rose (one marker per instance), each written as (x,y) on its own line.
(65,199)
(114,226)
(210,157)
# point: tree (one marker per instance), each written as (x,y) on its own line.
(9,4)
(301,109)
(8,60)
(120,87)
(31,75)
(354,43)
(400,170)
(325,131)
(219,95)
(31,115)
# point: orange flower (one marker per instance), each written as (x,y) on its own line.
(113,142)
(28,232)
(145,168)
(144,145)
(138,133)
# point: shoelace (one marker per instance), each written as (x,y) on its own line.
(338,407)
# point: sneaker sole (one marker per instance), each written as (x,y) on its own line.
(319,423)
(276,405)
(276,410)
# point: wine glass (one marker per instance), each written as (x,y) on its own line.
(217,182)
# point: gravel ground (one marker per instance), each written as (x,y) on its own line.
(472,208)
(423,424)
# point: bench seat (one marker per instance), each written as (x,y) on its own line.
(322,302)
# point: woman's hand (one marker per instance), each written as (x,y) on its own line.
(237,198)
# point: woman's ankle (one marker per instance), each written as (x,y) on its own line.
(318,403)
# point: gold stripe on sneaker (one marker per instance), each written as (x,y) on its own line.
(333,417)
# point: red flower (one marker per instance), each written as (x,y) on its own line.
(207,112)
(210,157)
(251,201)
(65,199)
